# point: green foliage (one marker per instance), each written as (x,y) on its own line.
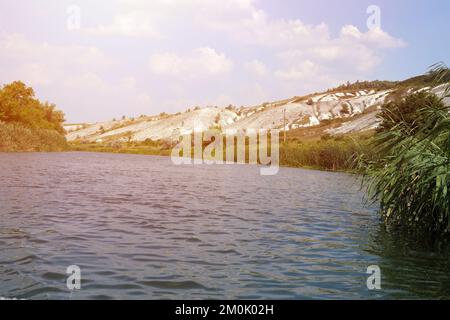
(17,137)
(437,75)
(406,112)
(328,153)
(411,178)
(364,85)
(151,143)
(26,124)
(19,105)
(147,147)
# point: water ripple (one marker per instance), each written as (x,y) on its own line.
(141,228)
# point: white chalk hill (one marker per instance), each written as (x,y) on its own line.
(358,108)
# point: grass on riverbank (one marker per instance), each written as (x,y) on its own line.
(333,153)
(16,137)
(324,153)
(155,149)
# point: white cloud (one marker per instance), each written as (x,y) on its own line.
(35,73)
(302,71)
(308,76)
(351,53)
(301,56)
(375,37)
(259,94)
(153,18)
(43,64)
(144,99)
(74,77)
(79,82)
(200,62)
(128,82)
(256,67)
(132,24)
(351,32)
(328,61)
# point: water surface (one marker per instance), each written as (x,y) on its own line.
(140,227)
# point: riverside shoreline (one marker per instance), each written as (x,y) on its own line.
(167,153)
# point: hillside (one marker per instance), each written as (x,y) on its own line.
(341,110)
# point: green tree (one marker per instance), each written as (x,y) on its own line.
(18,104)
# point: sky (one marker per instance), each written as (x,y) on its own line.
(101,59)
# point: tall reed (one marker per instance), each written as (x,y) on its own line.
(411,177)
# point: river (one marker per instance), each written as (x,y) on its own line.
(140,227)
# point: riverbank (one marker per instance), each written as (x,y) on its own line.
(16,137)
(326,153)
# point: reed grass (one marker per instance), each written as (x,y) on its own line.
(411,178)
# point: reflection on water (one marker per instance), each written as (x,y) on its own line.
(418,267)
(142,228)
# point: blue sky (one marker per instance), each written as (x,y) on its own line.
(102,59)
(424,25)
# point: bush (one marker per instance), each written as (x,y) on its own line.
(328,154)
(17,137)
(412,176)
(19,105)
(26,124)
(407,111)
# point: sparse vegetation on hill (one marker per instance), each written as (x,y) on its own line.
(364,85)
(432,78)
(435,76)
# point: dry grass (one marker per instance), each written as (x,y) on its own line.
(16,137)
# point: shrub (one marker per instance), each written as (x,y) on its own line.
(411,178)
(407,111)
(19,105)
(329,154)
(26,124)
(17,137)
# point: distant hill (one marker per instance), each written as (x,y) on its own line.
(351,107)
